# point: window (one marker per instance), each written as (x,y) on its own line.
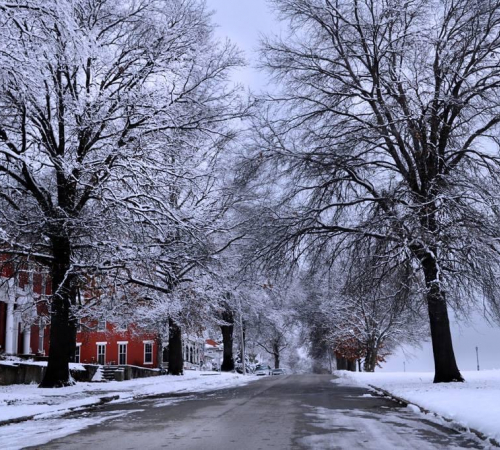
(101,325)
(77,352)
(186,355)
(191,355)
(121,326)
(148,353)
(23,279)
(101,353)
(122,353)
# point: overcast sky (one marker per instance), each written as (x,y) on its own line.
(243,21)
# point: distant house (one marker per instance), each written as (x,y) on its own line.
(213,354)
(192,352)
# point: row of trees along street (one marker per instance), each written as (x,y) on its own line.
(345,212)
(113,116)
(380,147)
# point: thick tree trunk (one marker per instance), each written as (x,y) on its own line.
(57,373)
(276,353)
(446,369)
(368,357)
(62,328)
(371,358)
(227,341)
(341,362)
(175,360)
(159,351)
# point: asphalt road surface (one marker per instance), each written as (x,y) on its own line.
(286,412)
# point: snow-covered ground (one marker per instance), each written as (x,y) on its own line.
(473,404)
(22,400)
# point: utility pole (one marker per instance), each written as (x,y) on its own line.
(477,357)
(242,339)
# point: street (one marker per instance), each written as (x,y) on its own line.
(290,412)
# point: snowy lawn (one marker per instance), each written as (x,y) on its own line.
(473,404)
(22,400)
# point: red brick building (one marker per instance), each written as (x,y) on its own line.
(25,323)
(108,344)
(25,326)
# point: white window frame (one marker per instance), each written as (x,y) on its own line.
(125,345)
(103,345)
(78,353)
(121,327)
(101,325)
(148,343)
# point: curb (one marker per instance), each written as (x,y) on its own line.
(178,394)
(452,424)
(101,401)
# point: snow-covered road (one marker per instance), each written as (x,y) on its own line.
(293,412)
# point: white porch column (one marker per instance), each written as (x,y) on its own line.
(10,330)
(27,340)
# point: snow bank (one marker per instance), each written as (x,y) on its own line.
(473,404)
(22,400)
(14,361)
(72,366)
(33,433)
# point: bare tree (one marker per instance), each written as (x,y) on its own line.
(273,340)
(386,128)
(189,268)
(270,326)
(360,311)
(97,100)
(376,306)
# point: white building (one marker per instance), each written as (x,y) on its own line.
(192,352)
(17,314)
(213,355)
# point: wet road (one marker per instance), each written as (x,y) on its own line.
(292,412)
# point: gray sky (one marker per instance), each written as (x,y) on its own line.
(465,339)
(243,21)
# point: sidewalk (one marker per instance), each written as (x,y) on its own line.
(21,402)
(472,405)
